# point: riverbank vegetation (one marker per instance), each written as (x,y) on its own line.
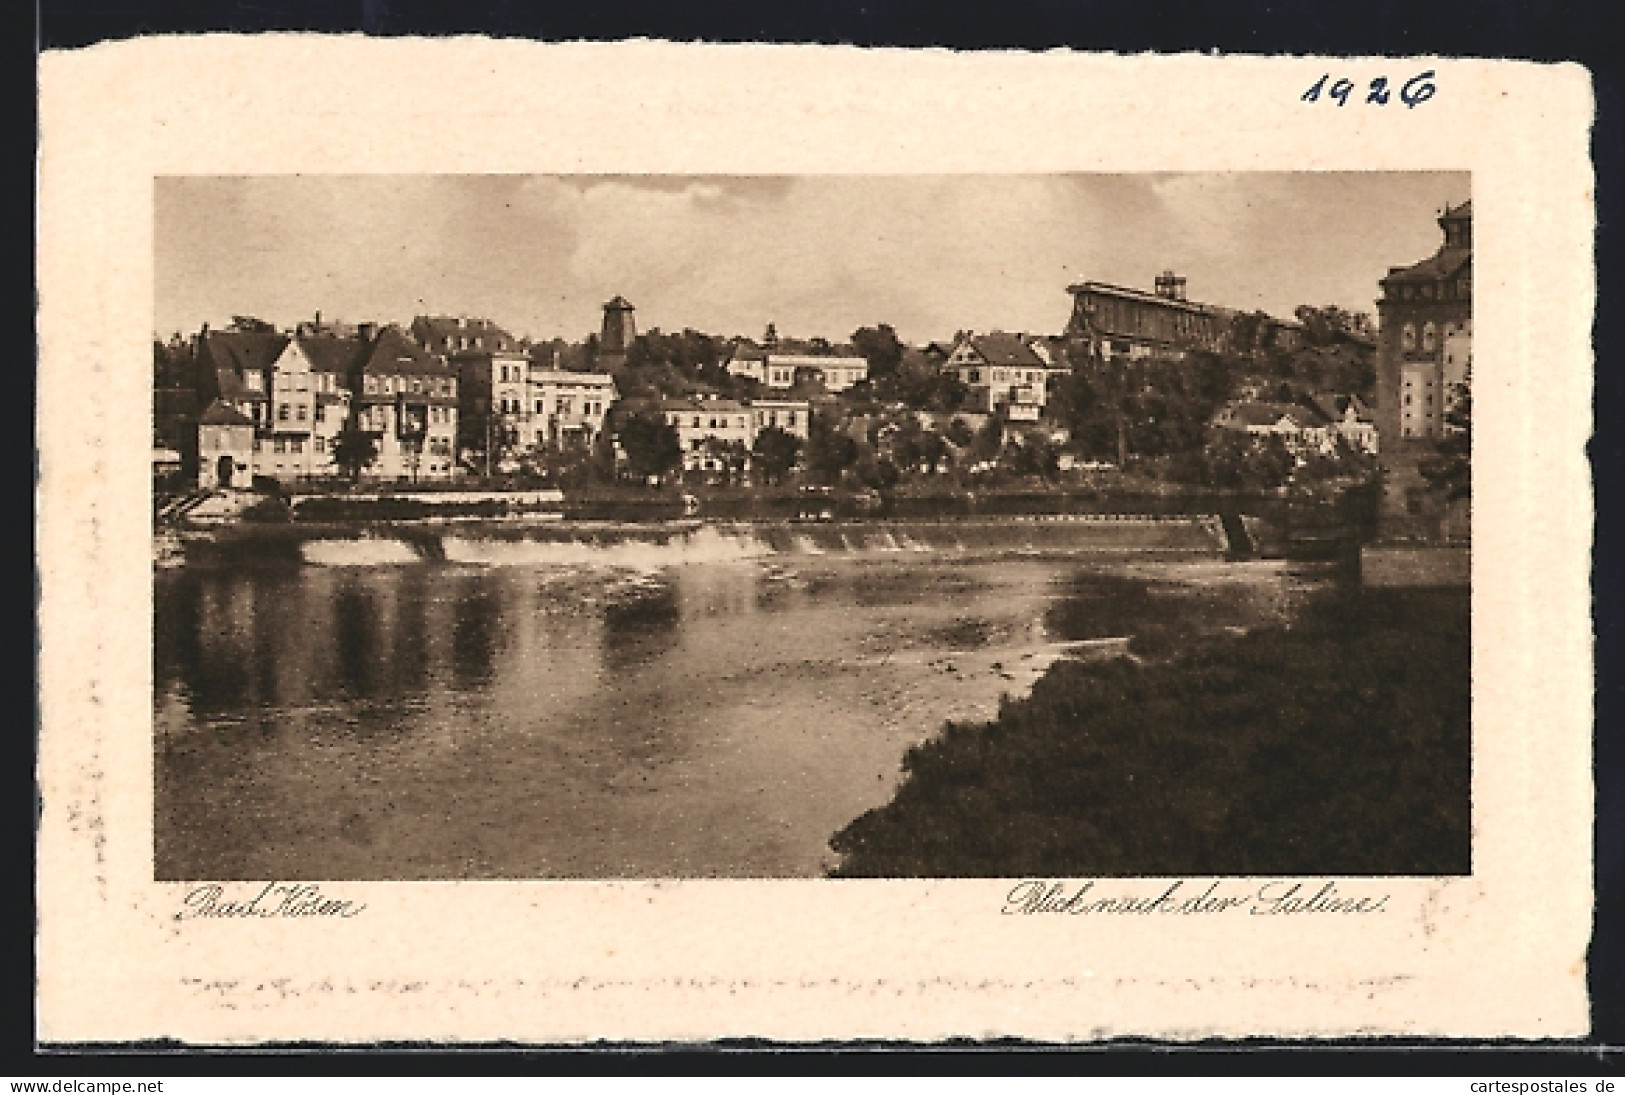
(1340,745)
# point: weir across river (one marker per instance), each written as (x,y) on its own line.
(644,546)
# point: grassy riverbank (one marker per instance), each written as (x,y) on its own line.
(1341,745)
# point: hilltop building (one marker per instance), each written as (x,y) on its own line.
(1004,372)
(619,330)
(782,365)
(1111,321)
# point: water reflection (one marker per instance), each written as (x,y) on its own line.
(453,720)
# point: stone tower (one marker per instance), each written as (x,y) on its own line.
(619,328)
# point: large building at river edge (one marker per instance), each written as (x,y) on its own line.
(1424,380)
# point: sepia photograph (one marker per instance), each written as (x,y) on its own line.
(539,547)
(666,526)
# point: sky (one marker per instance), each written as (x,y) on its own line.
(814,255)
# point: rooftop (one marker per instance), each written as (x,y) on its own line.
(219,414)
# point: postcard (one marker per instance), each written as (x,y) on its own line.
(651,543)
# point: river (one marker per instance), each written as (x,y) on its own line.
(678,708)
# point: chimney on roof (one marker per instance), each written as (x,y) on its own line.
(366,331)
(1170,286)
(318,320)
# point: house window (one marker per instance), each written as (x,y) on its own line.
(1407,337)
(321,412)
(279,445)
(1429,337)
(299,412)
(539,407)
(297,444)
(282,412)
(252,380)
(321,443)
(256,444)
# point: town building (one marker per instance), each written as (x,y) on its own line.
(407,399)
(1300,428)
(709,430)
(1349,418)
(492,369)
(234,367)
(308,404)
(778,370)
(1424,359)
(225,447)
(793,416)
(1110,321)
(566,409)
(1005,373)
(1315,426)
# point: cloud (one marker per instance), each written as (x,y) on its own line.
(813,254)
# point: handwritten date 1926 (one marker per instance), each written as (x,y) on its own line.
(1413,92)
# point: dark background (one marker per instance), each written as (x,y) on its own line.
(1587,32)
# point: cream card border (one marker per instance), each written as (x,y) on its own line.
(1501,952)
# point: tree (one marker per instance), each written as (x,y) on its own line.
(355,449)
(989,440)
(881,348)
(1035,455)
(775,452)
(651,444)
(830,451)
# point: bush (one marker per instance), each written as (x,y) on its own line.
(267,511)
(1339,746)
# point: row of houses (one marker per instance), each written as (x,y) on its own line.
(275,404)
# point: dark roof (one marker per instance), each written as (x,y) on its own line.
(1000,348)
(745,349)
(1140,295)
(1443,266)
(394,352)
(219,414)
(229,385)
(700,405)
(1334,406)
(440,334)
(620,304)
(1446,263)
(239,350)
(328,354)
